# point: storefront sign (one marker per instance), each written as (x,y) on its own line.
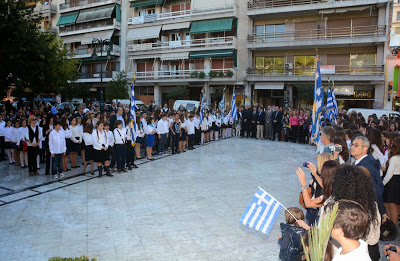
(327,69)
(363,94)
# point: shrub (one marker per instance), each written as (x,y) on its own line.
(213,74)
(202,75)
(221,74)
(194,75)
(229,73)
(81,258)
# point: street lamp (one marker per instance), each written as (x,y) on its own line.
(104,44)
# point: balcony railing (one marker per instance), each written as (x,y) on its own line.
(205,42)
(83,51)
(371,70)
(257,4)
(95,75)
(179,15)
(86,26)
(319,34)
(80,3)
(181,74)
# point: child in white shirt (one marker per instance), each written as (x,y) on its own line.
(190,131)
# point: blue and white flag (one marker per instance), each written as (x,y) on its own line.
(330,108)
(234,109)
(201,110)
(262,212)
(318,106)
(335,102)
(133,112)
(222,105)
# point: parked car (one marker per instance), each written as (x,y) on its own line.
(62,105)
(379,113)
(189,105)
(140,106)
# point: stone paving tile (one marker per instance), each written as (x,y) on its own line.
(183,207)
(17,196)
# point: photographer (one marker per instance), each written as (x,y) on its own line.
(392,252)
(340,152)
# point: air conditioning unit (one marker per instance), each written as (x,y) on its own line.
(288,65)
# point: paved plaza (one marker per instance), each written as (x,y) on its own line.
(181,207)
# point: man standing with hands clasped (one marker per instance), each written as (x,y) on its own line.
(57,149)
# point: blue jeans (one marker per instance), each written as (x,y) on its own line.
(161,142)
(57,160)
(120,151)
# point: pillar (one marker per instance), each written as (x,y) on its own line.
(157,95)
(207,65)
(247,93)
(289,88)
(379,96)
(207,94)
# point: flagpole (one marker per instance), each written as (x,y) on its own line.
(279,203)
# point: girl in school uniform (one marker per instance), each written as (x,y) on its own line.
(182,135)
(175,129)
(7,132)
(111,143)
(150,130)
(203,129)
(238,125)
(211,125)
(100,147)
(88,141)
(230,125)
(76,139)
(226,123)
(14,134)
(139,137)
(22,146)
(32,136)
(47,128)
(80,127)
(67,134)
(120,148)
(218,123)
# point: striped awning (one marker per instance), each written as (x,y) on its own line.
(174,56)
(95,14)
(72,38)
(145,3)
(169,27)
(67,19)
(210,26)
(88,37)
(144,33)
(213,53)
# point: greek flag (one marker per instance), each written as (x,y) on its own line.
(262,212)
(318,106)
(330,107)
(222,105)
(201,110)
(234,110)
(334,102)
(133,112)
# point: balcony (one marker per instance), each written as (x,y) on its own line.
(185,76)
(307,73)
(95,76)
(78,5)
(87,52)
(345,36)
(89,27)
(159,47)
(184,15)
(43,10)
(274,8)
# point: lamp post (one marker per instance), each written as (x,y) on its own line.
(107,44)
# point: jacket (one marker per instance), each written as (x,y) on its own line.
(290,242)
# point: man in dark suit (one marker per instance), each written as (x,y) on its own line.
(277,123)
(246,121)
(253,123)
(260,121)
(117,116)
(268,123)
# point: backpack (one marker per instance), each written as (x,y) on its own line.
(290,242)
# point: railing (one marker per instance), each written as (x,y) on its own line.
(181,74)
(96,75)
(178,15)
(257,4)
(83,51)
(44,9)
(86,26)
(310,70)
(204,42)
(319,34)
(79,3)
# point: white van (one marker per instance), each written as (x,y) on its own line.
(139,104)
(187,104)
(379,113)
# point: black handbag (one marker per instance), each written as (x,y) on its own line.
(388,231)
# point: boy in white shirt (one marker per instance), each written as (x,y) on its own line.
(162,131)
(197,132)
(57,147)
(190,131)
(349,229)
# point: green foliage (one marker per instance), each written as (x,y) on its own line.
(229,73)
(213,74)
(75,90)
(179,93)
(202,75)
(221,74)
(81,258)
(305,92)
(34,61)
(319,236)
(118,88)
(194,74)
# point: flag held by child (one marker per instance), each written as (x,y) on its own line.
(262,212)
(133,112)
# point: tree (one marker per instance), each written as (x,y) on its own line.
(118,88)
(33,61)
(179,93)
(75,90)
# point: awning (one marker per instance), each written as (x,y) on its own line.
(145,3)
(72,38)
(214,53)
(96,14)
(145,57)
(174,56)
(209,26)
(67,19)
(144,33)
(269,86)
(100,58)
(88,37)
(169,27)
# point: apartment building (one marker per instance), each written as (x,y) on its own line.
(82,21)
(348,36)
(48,13)
(393,60)
(194,43)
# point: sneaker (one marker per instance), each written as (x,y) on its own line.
(61,175)
(56,176)
(124,170)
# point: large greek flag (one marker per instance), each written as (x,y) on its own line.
(318,106)
(334,102)
(234,109)
(262,212)
(201,110)
(330,108)
(133,112)
(222,105)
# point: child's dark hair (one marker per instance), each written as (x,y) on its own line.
(296,212)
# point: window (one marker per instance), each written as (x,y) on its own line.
(304,65)
(146,12)
(274,32)
(398,16)
(270,65)
(175,37)
(397,30)
(362,60)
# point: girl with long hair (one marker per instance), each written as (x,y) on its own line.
(391,193)
(342,156)
(7,132)
(100,147)
(150,131)
(182,135)
(22,145)
(88,141)
(76,139)
(139,137)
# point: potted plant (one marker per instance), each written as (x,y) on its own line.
(229,73)
(213,74)
(220,74)
(194,74)
(202,75)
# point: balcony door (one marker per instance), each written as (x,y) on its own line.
(304,65)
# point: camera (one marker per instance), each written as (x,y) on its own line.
(391,248)
(305,165)
(336,148)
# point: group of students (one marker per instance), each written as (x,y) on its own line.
(358,167)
